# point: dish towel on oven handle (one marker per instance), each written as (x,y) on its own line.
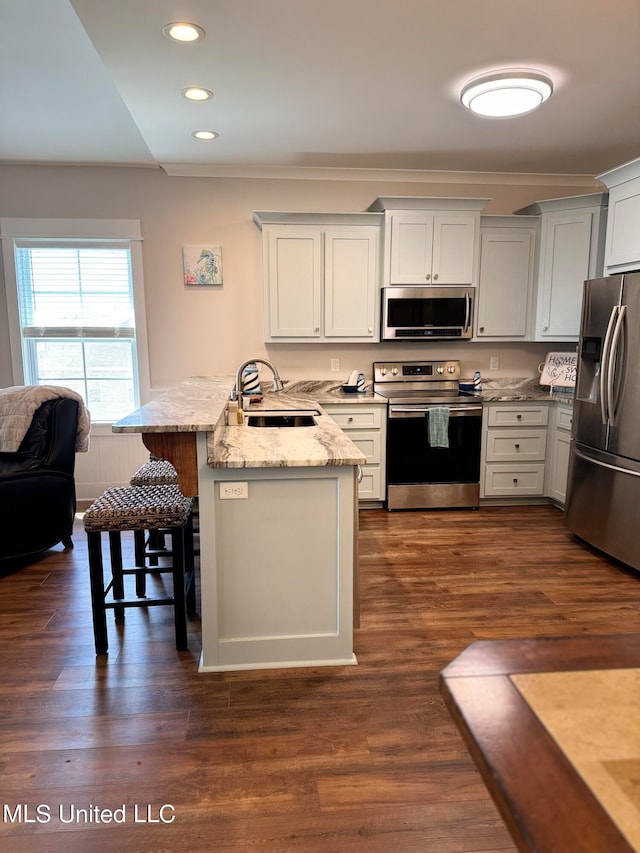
(439,426)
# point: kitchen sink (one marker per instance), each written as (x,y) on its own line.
(279,418)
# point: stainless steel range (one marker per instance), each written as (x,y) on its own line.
(433,435)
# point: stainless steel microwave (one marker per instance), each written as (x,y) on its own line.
(424,313)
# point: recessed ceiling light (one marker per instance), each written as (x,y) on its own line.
(205,134)
(183,31)
(197,93)
(506,93)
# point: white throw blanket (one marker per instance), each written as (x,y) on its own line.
(18,405)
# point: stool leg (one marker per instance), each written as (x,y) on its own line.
(115,549)
(139,551)
(189,568)
(156,543)
(96,574)
(179,603)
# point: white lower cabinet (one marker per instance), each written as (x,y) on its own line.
(514,450)
(560,443)
(366,426)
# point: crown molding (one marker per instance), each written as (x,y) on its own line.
(416,176)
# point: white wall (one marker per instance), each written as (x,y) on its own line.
(195,331)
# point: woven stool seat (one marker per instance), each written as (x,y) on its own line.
(138,508)
(155,472)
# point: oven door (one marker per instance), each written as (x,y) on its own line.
(422,476)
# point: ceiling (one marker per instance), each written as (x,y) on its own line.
(348,84)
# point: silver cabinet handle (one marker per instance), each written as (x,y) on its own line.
(360,473)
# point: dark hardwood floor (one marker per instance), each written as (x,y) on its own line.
(327,760)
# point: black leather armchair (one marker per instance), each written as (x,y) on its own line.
(37,485)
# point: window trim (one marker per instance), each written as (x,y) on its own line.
(63,230)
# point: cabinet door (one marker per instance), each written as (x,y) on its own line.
(351,282)
(560,465)
(411,248)
(622,248)
(294,289)
(504,290)
(454,245)
(566,247)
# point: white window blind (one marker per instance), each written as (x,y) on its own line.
(77,318)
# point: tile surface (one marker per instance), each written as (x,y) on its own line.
(594,717)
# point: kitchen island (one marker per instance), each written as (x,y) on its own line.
(278,524)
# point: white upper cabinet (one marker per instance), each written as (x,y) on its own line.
(570,251)
(351,286)
(507,247)
(430,240)
(321,276)
(622,244)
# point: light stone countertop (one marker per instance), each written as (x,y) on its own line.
(513,389)
(198,405)
(241,446)
(195,405)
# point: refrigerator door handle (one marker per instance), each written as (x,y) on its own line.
(605,464)
(611,371)
(606,364)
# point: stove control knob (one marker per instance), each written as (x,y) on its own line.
(395,371)
(440,369)
(451,369)
(383,371)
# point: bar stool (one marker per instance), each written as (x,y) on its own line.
(140,508)
(154,472)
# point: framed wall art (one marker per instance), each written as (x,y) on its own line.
(202,265)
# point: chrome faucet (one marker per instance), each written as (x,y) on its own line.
(278,385)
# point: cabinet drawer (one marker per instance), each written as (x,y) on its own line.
(356,417)
(518,415)
(370,487)
(367,442)
(513,480)
(516,445)
(564,419)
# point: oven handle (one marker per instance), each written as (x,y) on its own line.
(454,411)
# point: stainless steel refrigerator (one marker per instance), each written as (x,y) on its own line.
(603,494)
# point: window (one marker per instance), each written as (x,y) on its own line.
(76,315)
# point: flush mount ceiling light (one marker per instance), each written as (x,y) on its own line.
(183,31)
(506,93)
(197,93)
(205,134)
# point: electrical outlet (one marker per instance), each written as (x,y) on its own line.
(335,365)
(494,364)
(234,491)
